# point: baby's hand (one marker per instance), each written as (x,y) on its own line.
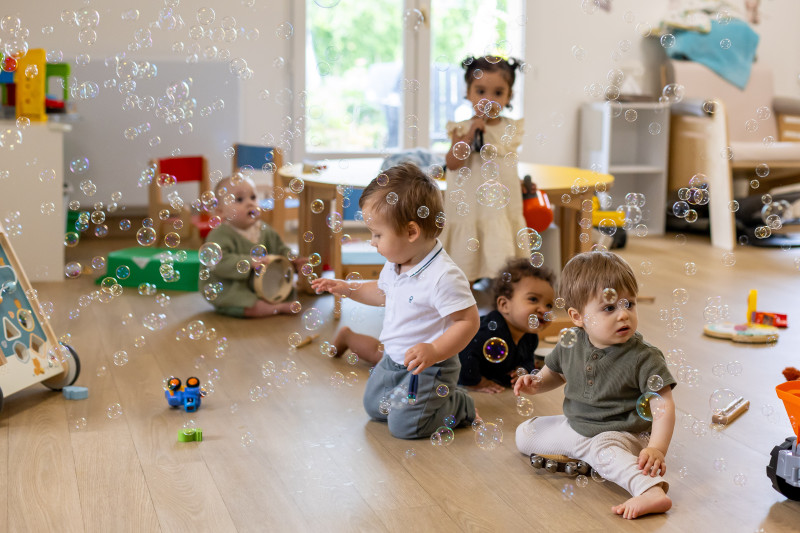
(336,287)
(651,460)
(529,384)
(421,356)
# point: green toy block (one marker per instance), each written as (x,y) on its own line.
(144,265)
(192,435)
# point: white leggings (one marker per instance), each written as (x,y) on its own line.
(614,454)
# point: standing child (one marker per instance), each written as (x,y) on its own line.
(240,231)
(522,296)
(606,368)
(430,311)
(486,214)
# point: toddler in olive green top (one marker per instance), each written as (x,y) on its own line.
(240,231)
(606,367)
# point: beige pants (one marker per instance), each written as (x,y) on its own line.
(613,454)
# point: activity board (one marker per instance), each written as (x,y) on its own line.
(29,350)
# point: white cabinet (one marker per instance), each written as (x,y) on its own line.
(35,189)
(629,141)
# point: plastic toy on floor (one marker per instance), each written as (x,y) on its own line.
(188,397)
(757,329)
(784,463)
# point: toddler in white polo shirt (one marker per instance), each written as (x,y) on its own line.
(431,314)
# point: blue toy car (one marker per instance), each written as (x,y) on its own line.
(187,397)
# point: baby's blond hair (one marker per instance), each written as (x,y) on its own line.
(413,190)
(587,274)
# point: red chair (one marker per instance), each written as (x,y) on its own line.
(191,227)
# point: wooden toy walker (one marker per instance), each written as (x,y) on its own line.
(29,350)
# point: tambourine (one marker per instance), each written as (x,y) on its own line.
(273,282)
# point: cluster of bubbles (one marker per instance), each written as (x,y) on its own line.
(672,317)
(684,372)
(715,311)
(696,194)
(279,377)
(488,435)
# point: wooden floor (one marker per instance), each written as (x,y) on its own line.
(306,458)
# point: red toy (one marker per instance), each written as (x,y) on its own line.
(536,206)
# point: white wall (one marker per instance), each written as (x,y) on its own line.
(555,91)
(114,34)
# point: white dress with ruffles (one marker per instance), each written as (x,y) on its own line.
(494,226)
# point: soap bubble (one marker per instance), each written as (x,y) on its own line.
(443,436)
(720,399)
(524,406)
(210,254)
(461,150)
(442,390)
(529,239)
(650,406)
(655,383)
(312,319)
(609,295)
(567,338)
(495,350)
(146,236)
(120,358)
(488,435)
(79,165)
(114,411)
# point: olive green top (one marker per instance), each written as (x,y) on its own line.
(603,386)
(236,289)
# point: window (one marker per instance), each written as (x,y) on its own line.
(377,72)
(354,68)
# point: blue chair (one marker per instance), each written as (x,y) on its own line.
(264,161)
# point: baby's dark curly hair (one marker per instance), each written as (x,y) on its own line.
(514,270)
(508,67)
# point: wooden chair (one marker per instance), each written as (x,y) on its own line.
(718,130)
(261,163)
(192,228)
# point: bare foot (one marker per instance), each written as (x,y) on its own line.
(263,308)
(488,386)
(653,500)
(340,341)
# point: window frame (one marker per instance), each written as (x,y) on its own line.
(417,63)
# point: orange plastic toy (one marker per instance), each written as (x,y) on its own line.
(789,392)
(536,206)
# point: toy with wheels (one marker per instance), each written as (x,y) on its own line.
(187,397)
(29,350)
(560,463)
(784,462)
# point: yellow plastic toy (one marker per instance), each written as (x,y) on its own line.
(30,81)
(749,332)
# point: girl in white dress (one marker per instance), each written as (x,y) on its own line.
(483,206)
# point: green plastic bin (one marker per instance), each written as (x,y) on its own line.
(145,263)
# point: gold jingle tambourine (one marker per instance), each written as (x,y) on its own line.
(273,282)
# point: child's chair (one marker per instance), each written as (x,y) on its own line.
(264,162)
(192,228)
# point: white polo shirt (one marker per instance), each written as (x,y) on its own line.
(418,302)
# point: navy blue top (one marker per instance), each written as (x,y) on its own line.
(474,364)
